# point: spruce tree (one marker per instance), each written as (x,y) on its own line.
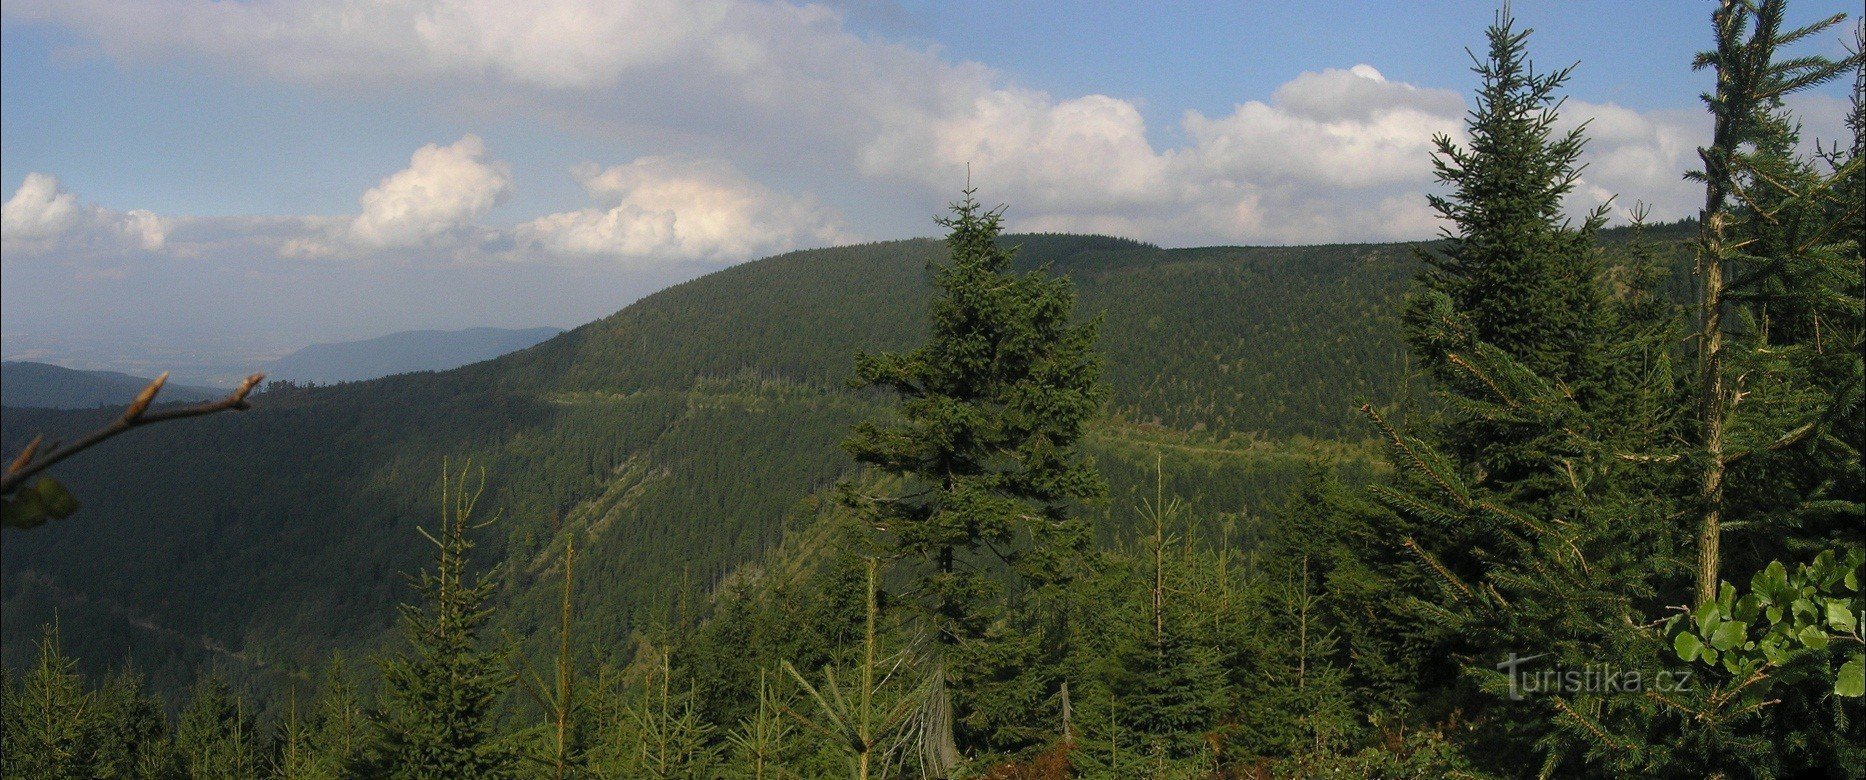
(215,737)
(985,443)
(1766,240)
(131,729)
(441,694)
(1518,274)
(326,741)
(1527,519)
(671,739)
(50,720)
(1166,673)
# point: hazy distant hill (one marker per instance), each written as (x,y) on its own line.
(24,383)
(400,353)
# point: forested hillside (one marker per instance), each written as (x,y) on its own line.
(694,421)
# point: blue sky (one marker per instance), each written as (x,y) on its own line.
(287,172)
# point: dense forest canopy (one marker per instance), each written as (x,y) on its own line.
(1539,498)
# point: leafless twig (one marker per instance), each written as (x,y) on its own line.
(28,464)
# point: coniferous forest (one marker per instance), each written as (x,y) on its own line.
(1540,498)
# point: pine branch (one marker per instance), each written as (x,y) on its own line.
(1443,573)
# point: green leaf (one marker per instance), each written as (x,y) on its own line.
(1772,578)
(1707,617)
(1839,618)
(1813,637)
(1746,608)
(59,502)
(1851,682)
(1688,646)
(1776,652)
(1728,635)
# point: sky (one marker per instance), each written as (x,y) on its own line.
(224,180)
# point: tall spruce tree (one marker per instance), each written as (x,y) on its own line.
(440,695)
(1513,269)
(215,736)
(986,441)
(1776,395)
(1524,517)
(49,720)
(1778,400)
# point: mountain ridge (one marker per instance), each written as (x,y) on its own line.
(678,439)
(25,383)
(402,352)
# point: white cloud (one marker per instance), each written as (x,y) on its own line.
(1340,154)
(1339,128)
(1360,93)
(443,192)
(38,210)
(42,216)
(669,208)
(144,229)
(654,212)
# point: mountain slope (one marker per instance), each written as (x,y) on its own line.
(402,352)
(675,439)
(25,383)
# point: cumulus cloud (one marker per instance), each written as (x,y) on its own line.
(654,211)
(1335,155)
(444,190)
(1339,154)
(680,208)
(1635,156)
(41,216)
(1338,128)
(38,210)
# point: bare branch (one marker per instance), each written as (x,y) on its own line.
(136,414)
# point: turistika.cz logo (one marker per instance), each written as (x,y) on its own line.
(1587,678)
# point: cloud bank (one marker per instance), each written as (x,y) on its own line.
(657,210)
(1341,154)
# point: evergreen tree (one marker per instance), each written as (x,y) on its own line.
(327,741)
(441,694)
(987,443)
(1768,241)
(215,736)
(131,729)
(670,738)
(1519,276)
(50,719)
(1529,519)
(559,742)
(1167,674)
(760,742)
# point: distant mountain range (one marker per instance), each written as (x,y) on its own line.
(400,353)
(46,386)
